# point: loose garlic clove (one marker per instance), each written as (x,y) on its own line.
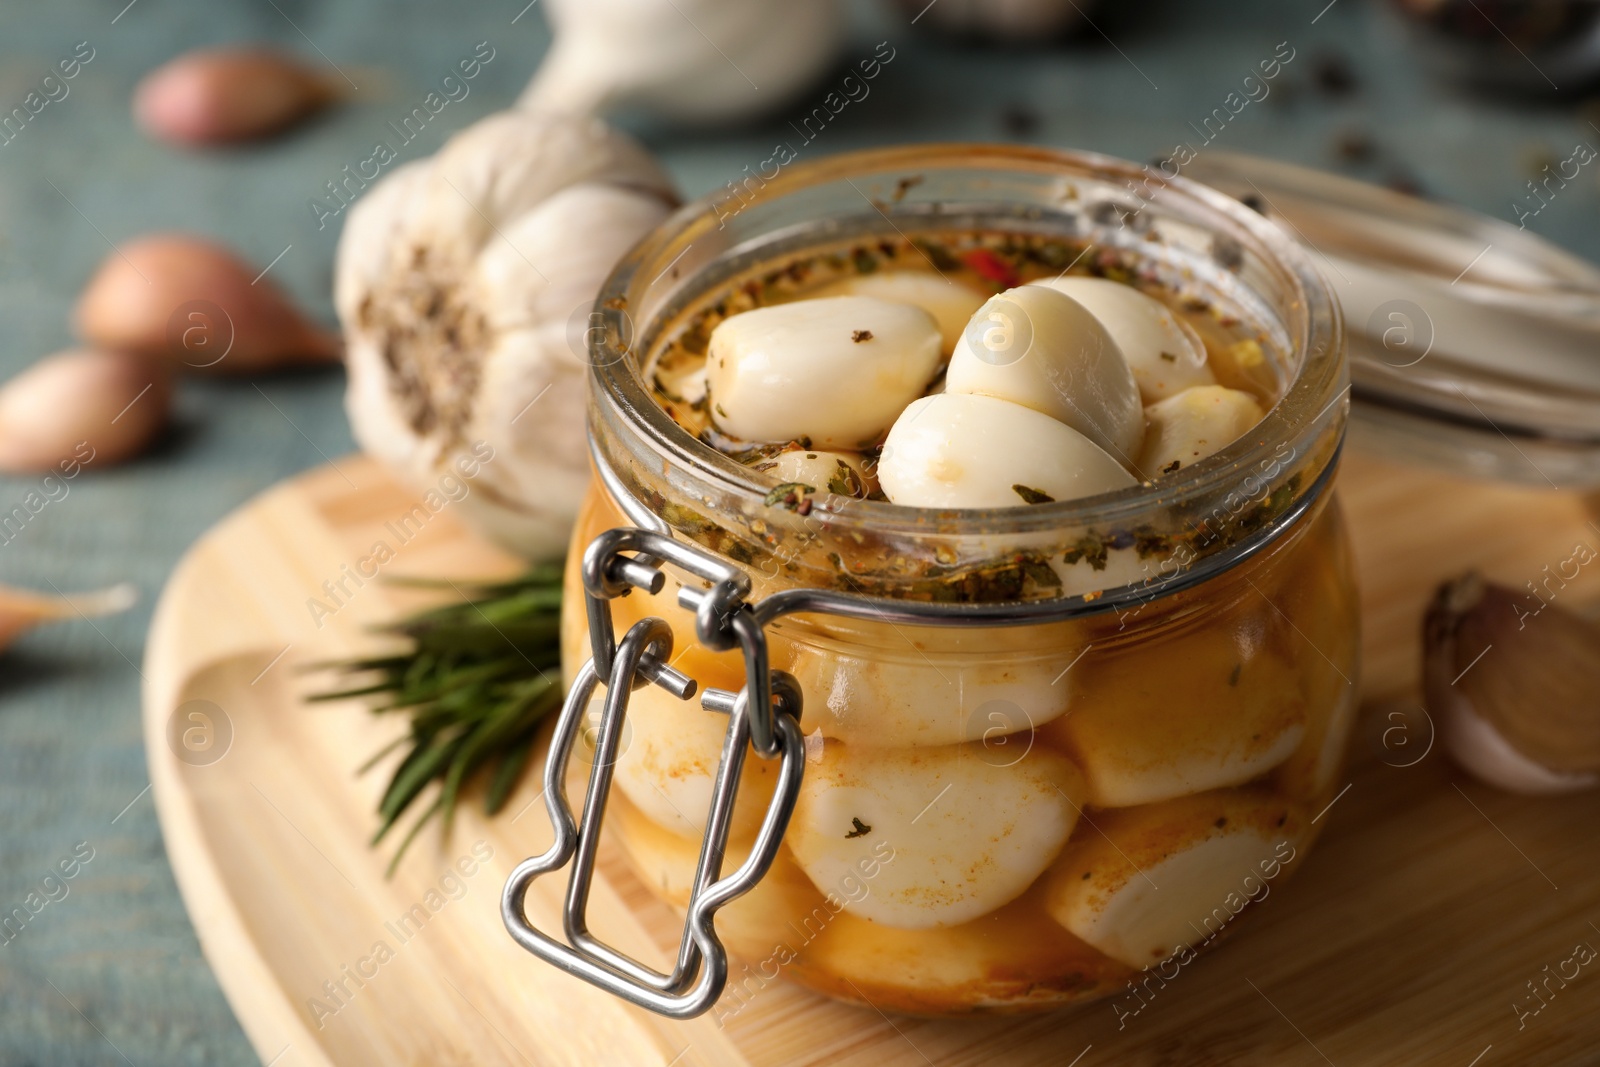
(197,306)
(1194,424)
(951,303)
(81,406)
(1222,710)
(228,94)
(967,835)
(840,473)
(1038,348)
(962,450)
(1164,353)
(21,610)
(1158,879)
(1515,682)
(835,371)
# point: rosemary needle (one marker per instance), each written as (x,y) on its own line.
(475,681)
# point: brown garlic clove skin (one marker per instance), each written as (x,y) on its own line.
(224,95)
(21,610)
(191,303)
(1525,717)
(81,407)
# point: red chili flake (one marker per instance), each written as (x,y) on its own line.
(805,507)
(991,267)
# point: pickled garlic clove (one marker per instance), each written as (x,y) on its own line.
(79,407)
(21,610)
(951,303)
(840,473)
(1194,424)
(833,372)
(967,451)
(228,94)
(196,305)
(959,830)
(669,752)
(1218,709)
(1038,348)
(1515,683)
(1164,353)
(1159,879)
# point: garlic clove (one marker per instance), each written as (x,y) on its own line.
(832,372)
(81,406)
(955,450)
(840,473)
(197,306)
(967,836)
(1515,682)
(1164,353)
(688,60)
(1043,350)
(1224,709)
(1160,878)
(1194,424)
(951,303)
(214,96)
(22,610)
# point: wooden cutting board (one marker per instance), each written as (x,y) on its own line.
(1427,907)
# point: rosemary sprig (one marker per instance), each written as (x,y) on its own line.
(475,680)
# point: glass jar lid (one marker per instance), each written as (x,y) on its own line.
(1474,345)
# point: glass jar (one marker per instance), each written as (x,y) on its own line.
(1113,724)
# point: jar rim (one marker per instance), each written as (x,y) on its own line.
(1315,399)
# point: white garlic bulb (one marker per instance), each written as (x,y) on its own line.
(689,60)
(1194,424)
(835,371)
(967,835)
(1164,353)
(463,284)
(959,450)
(1039,348)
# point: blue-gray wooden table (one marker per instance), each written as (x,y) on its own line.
(111,972)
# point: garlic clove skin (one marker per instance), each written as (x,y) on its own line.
(1194,424)
(1160,878)
(465,284)
(951,303)
(692,61)
(160,296)
(22,610)
(216,96)
(840,473)
(82,406)
(1043,350)
(834,371)
(967,836)
(957,450)
(1514,682)
(1164,353)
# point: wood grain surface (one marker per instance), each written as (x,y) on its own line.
(1426,908)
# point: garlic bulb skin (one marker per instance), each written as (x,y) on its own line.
(1036,347)
(1164,353)
(956,450)
(1194,424)
(951,303)
(463,283)
(835,371)
(698,61)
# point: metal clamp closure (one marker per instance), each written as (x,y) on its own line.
(764,715)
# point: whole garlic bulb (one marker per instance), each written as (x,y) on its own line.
(458,283)
(688,60)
